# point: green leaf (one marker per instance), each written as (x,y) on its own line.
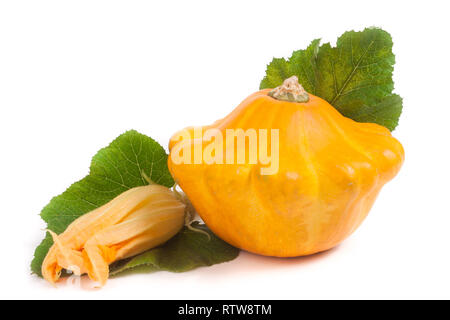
(355,76)
(113,170)
(40,253)
(276,72)
(386,112)
(303,63)
(186,251)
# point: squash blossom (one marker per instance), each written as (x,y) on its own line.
(133,222)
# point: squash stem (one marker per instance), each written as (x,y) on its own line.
(291,91)
(189,212)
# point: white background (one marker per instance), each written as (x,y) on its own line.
(76,74)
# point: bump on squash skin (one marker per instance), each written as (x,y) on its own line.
(135,221)
(331,170)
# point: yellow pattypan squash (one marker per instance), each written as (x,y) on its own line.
(330,170)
